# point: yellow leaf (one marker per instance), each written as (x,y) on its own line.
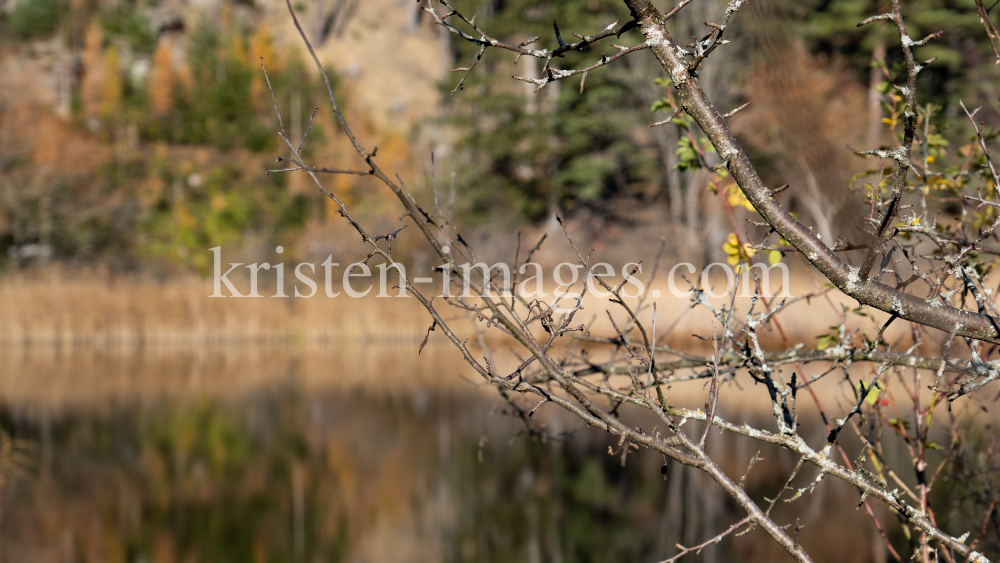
(736,198)
(872,397)
(940,183)
(735,252)
(731,248)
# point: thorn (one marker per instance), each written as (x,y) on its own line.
(669,119)
(735,111)
(559,38)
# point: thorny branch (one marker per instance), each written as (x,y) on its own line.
(567,381)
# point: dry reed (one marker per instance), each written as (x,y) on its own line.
(91,309)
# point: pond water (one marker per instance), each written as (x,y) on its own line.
(367,453)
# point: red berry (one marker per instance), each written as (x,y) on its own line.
(885,402)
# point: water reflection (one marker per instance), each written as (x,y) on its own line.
(297,454)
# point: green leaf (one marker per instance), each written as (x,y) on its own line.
(899,425)
(688,158)
(936,140)
(662,104)
(826,340)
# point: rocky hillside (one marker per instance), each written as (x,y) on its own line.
(141,131)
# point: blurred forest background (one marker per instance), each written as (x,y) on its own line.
(135,134)
(142,421)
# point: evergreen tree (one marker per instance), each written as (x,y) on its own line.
(552,151)
(963,66)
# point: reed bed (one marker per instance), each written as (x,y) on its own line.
(91,341)
(56,309)
(95,310)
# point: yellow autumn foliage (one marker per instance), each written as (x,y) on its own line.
(736,252)
(162,80)
(735,197)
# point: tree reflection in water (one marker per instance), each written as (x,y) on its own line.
(288,469)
